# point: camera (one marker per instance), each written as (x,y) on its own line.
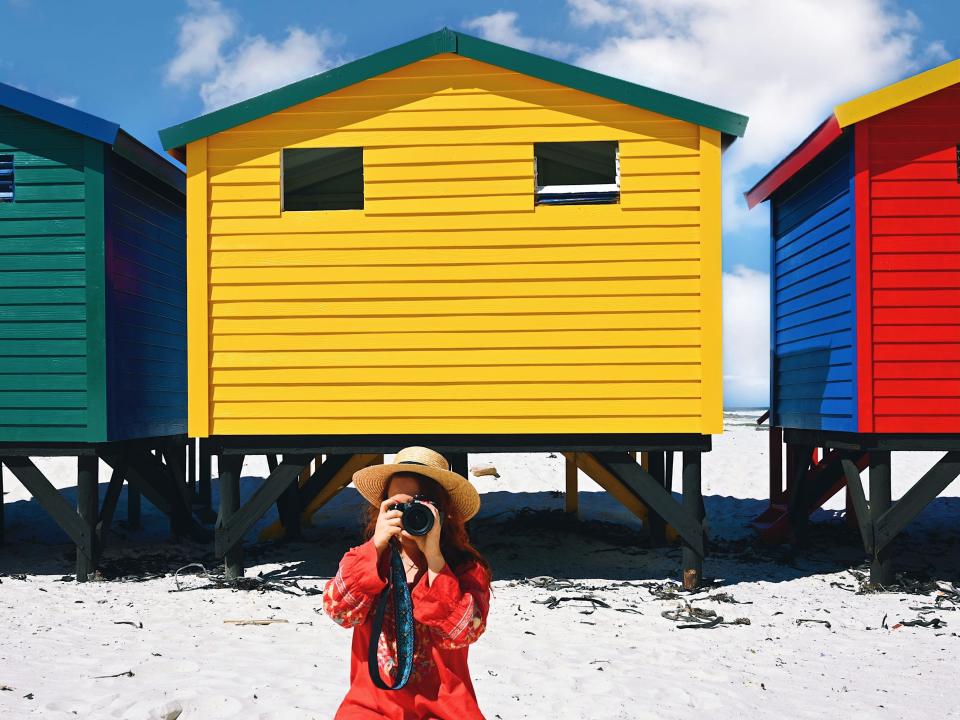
(417,518)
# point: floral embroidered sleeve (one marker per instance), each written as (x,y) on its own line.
(349,595)
(454,606)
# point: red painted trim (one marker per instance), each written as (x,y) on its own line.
(816,143)
(864,277)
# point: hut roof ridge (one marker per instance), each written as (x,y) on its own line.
(848,114)
(94,127)
(730,124)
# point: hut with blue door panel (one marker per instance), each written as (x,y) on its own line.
(865,326)
(92,312)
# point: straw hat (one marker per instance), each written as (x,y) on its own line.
(372,480)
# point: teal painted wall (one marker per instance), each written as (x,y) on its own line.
(44,303)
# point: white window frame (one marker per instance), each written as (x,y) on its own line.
(576,189)
(13,179)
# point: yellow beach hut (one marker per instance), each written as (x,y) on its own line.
(456,244)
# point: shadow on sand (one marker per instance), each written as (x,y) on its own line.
(522,535)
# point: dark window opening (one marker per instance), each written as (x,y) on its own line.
(323,179)
(6,178)
(577,173)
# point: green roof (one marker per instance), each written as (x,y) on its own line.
(728,123)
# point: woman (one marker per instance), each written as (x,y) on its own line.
(450,589)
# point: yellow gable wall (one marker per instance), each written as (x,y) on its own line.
(451,303)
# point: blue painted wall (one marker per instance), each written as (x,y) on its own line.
(813,328)
(146,303)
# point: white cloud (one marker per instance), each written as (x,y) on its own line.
(784,64)
(258,65)
(229,68)
(501,27)
(746,338)
(203,31)
(71,100)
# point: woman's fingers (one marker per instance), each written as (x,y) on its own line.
(393,499)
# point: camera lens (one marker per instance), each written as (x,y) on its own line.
(417,518)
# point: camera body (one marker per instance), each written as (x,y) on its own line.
(417,518)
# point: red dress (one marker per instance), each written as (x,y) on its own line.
(449,614)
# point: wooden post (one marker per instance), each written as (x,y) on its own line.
(88,508)
(881,567)
(133,507)
(657,525)
(192,466)
(288,505)
(459,462)
(204,475)
(692,505)
(798,504)
(791,483)
(229,481)
(2,531)
(571,500)
(850,512)
(776,465)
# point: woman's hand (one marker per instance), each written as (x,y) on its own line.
(389,523)
(429,544)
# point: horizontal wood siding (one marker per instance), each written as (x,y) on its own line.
(451,303)
(43,301)
(146,304)
(814,337)
(914,273)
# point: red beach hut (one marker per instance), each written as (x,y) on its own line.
(865,305)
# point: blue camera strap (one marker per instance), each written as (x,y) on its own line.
(403,615)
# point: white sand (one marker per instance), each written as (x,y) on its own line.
(533,662)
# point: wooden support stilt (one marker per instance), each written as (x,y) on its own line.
(459,463)
(775,443)
(288,505)
(571,500)
(692,505)
(159,484)
(656,524)
(204,480)
(175,460)
(889,524)
(192,465)
(791,465)
(49,498)
(329,478)
(620,475)
(109,505)
(881,566)
(229,484)
(856,499)
(133,506)
(88,509)
(2,513)
(236,519)
(797,509)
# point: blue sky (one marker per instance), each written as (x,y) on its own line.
(148,65)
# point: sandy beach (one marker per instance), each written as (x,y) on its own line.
(576,630)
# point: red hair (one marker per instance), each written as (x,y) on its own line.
(454,542)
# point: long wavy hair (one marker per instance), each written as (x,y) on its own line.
(454,542)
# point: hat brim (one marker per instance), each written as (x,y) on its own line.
(372,481)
